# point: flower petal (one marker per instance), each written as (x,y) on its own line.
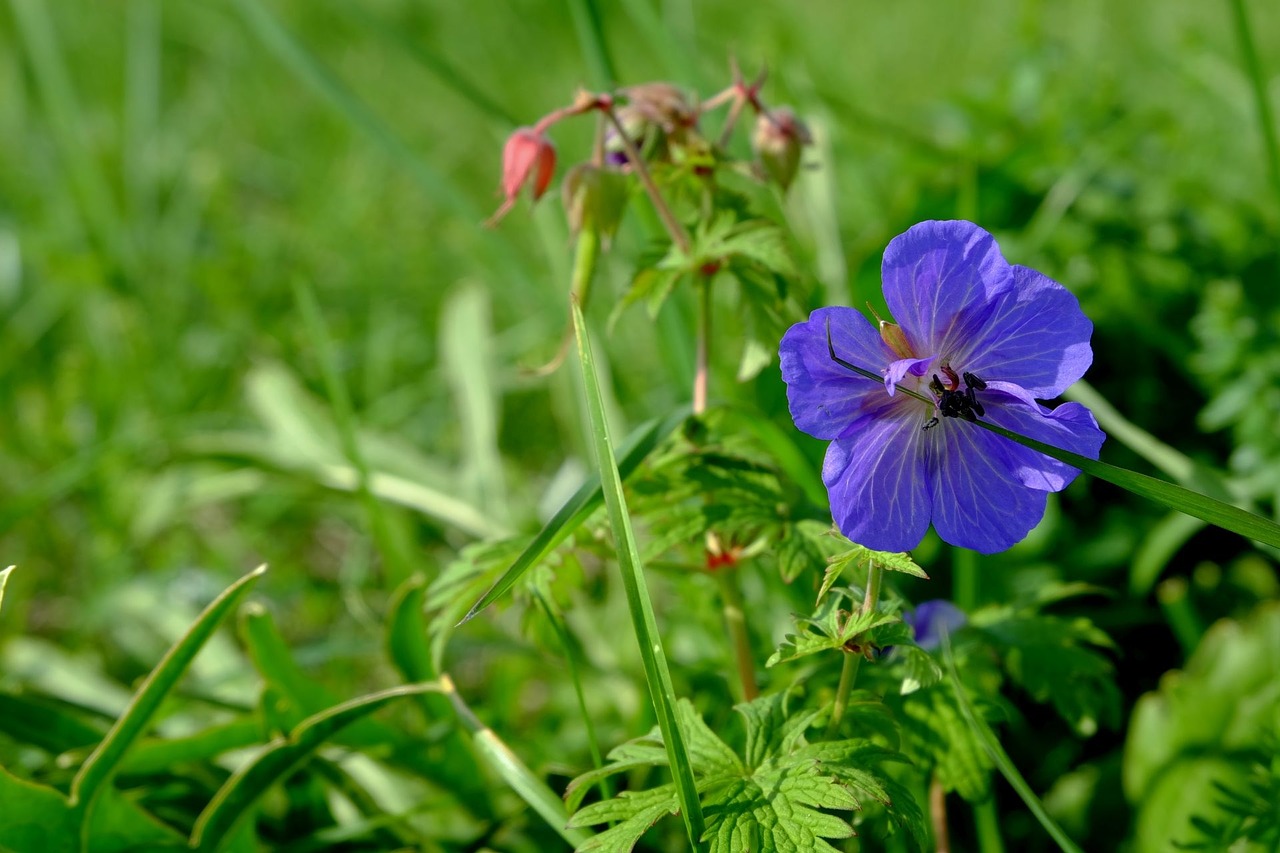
(1036,336)
(979,502)
(825,398)
(940,279)
(1070,426)
(875,479)
(900,368)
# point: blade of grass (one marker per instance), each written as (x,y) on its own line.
(58,95)
(320,79)
(234,800)
(395,559)
(1000,758)
(584,502)
(1258,82)
(410,652)
(513,771)
(1184,500)
(595,51)
(657,673)
(98,768)
(444,71)
(573,659)
(466,359)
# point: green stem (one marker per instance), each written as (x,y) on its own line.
(571,654)
(1244,32)
(736,623)
(702,358)
(986,820)
(848,675)
(853,660)
(678,235)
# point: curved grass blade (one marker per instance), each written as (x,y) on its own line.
(236,797)
(513,771)
(1184,500)
(98,768)
(657,673)
(585,501)
(1001,758)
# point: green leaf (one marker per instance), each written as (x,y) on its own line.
(657,674)
(97,770)
(513,771)
(777,796)
(860,556)
(235,799)
(831,628)
(35,817)
(48,724)
(578,508)
(1052,659)
(1205,724)
(936,735)
(991,744)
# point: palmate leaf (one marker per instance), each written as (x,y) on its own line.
(1055,661)
(777,796)
(833,627)
(936,735)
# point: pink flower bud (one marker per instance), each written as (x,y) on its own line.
(778,138)
(527,156)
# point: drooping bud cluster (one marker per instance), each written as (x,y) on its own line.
(653,123)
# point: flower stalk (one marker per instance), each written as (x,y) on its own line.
(852,660)
(736,622)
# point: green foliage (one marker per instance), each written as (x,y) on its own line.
(775,794)
(1201,734)
(833,627)
(171,417)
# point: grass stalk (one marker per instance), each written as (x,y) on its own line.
(657,671)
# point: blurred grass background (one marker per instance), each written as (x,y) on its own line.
(170,172)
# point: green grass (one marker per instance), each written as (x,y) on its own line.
(249,313)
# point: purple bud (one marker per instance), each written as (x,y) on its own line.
(931,618)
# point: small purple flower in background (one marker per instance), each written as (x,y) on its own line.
(930,618)
(979,337)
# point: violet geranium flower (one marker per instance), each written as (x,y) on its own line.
(980,338)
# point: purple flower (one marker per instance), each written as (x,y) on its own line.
(930,618)
(978,337)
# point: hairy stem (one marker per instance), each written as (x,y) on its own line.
(735,621)
(938,816)
(852,660)
(678,235)
(702,357)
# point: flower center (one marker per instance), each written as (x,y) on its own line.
(951,401)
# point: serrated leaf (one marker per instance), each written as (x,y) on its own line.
(832,627)
(937,736)
(919,668)
(777,797)
(1052,659)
